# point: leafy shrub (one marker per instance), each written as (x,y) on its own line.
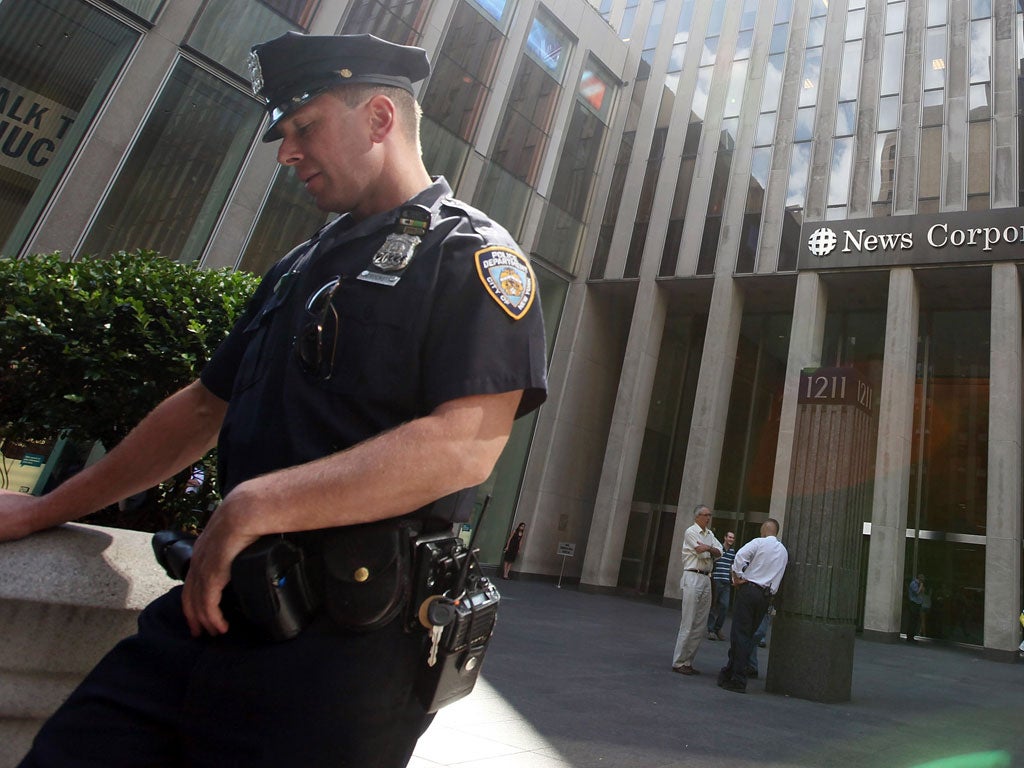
(89,347)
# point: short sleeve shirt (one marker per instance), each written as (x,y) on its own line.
(463,318)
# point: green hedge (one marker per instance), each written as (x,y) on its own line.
(88,347)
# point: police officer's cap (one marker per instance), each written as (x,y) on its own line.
(293,69)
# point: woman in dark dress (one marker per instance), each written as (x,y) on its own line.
(515,541)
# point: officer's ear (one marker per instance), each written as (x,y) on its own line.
(382,117)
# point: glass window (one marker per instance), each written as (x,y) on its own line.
(846,118)
(522,139)
(953,458)
(932,105)
(628,20)
(596,91)
(772,83)
(892,64)
(978,158)
(935,58)
(177,175)
(981,51)
(937,13)
(398,22)
(227,29)
(549,46)
(799,165)
(498,11)
(809,84)
(744,41)
(930,173)
(734,96)
(804,124)
(981,9)
(146,9)
(675,59)
(895,18)
(783,11)
(463,73)
(884,163)
(780,34)
(849,80)
(51,87)
(288,217)
(854,25)
(839,173)
(815,32)
(888,113)
(709,52)
(765,132)
(701,91)
(980,101)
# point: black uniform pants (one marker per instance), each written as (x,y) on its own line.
(163,698)
(750,607)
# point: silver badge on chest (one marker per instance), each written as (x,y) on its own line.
(399,247)
(396,253)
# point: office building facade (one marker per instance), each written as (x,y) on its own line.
(716,196)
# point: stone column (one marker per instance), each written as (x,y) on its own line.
(1003,524)
(883,604)
(812,638)
(625,441)
(808,331)
(710,410)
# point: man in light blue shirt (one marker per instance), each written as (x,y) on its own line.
(757,572)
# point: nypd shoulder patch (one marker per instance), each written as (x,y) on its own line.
(508,278)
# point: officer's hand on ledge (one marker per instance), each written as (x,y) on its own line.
(22,514)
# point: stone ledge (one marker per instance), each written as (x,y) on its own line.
(67,595)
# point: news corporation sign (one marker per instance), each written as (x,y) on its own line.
(942,238)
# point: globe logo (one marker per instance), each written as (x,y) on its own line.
(822,242)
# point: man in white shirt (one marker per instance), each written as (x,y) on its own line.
(700,549)
(757,572)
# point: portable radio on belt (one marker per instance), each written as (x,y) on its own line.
(458,605)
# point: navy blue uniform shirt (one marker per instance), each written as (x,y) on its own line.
(463,319)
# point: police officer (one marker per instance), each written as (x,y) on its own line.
(374,375)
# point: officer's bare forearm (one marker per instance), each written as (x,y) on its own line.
(175,434)
(401,470)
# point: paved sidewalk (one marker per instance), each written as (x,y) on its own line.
(581,680)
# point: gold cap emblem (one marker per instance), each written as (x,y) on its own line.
(345,73)
(361,574)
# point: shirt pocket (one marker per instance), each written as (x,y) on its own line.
(374,353)
(255,361)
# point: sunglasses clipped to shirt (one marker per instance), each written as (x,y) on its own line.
(318,340)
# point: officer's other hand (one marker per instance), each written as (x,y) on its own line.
(210,571)
(18,512)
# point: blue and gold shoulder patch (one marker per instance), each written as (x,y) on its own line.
(508,278)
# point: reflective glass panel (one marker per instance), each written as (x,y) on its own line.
(809,84)
(849,80)
(935,58)
(804,124)
(895,17)
(888,113)
(892,65)
(981,51)
(227,29)
(846,118)
(51,87)
(549,46)
(839,174)
(177,175)
(146,9)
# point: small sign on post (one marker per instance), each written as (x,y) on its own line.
(565,549)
